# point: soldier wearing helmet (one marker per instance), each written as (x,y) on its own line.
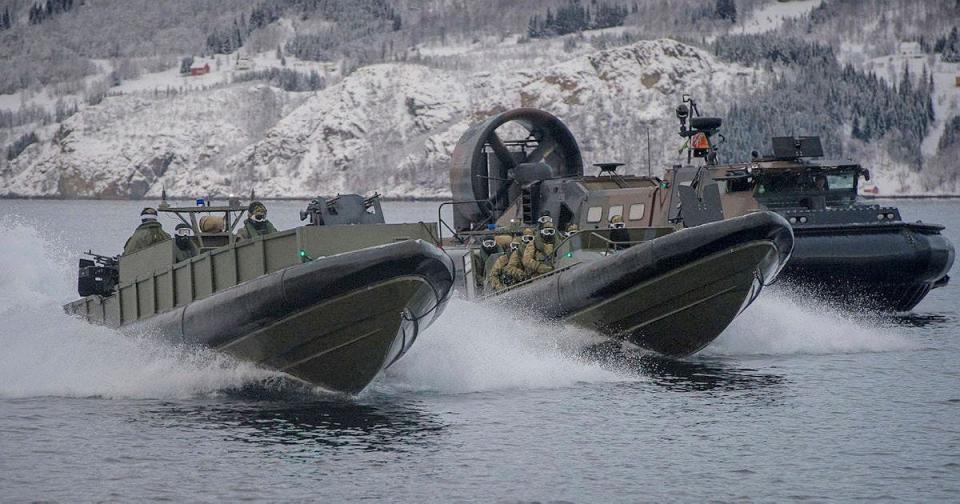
(257,223)
(148,233)
(544,218)
(490,249)
(507,269)
(186,247)
(618,233)
(538,253)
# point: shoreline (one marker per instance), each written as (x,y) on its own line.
(417,199)
(218,198)
(905,196)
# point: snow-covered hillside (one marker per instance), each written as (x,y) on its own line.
(388,127)
(211,97)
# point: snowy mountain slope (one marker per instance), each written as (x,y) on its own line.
(392,127)
(388,127)
(130,145)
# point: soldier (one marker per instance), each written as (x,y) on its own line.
(515,263)
(528,236)
(820,182)
(488,249)
(186,248)
(572,229)
(507,269)
(538,254)
(149,232)
(618,233)
(544,218)
(257,223)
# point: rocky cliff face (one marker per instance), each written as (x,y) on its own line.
(389,128)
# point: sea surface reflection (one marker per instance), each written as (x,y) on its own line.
(320,423)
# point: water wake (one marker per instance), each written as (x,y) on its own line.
(475,348)
(781,322)
(47,353)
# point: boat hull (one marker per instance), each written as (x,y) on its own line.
(335,322)
(673,295)
(887,267)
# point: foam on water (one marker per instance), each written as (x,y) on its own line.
(47,353)
(781,322)
(474,347)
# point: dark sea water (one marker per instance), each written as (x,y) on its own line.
(795,402)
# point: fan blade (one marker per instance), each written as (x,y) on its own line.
(546,147)
(501,151)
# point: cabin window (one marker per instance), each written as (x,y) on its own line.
(842,180)
(636,211)
(615,210)
(594,214)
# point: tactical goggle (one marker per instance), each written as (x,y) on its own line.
(545,219)
(489,243)
(618,225)
(259,217)
(184,231)
(514,246)
(548,231)
(527,238)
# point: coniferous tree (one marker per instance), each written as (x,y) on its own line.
(726,9)
(951,134)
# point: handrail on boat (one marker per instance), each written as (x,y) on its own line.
(443,223)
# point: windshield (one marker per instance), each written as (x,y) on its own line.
(807,182)
(841,180)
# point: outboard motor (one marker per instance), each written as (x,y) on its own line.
(98,276)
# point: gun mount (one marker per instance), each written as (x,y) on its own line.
(699,135)
(344,209)
(99,275)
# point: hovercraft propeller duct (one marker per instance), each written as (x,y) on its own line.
(490,173)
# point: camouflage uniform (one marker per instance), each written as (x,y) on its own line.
(252,228)
(538,255)
(514,266)
(507,269)
(148,233)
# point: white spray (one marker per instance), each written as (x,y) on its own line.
(474,347)
(783,322)
(47,353)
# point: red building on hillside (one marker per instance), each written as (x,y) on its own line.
(200,70)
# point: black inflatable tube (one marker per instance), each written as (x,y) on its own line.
(587,284)
(898,253)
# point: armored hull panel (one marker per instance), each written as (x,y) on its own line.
(884,266)
(674,294)
(335,321)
